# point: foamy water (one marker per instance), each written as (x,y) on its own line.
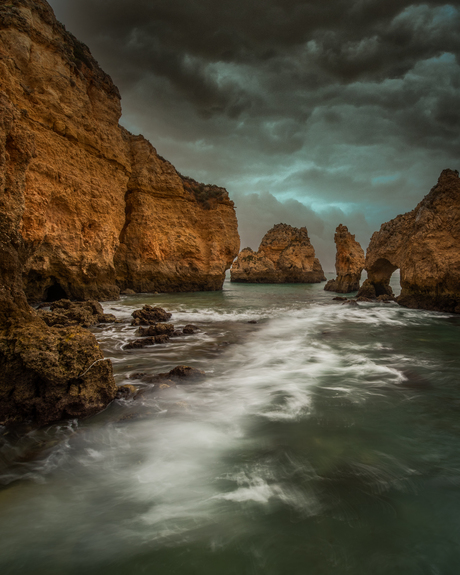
(321,441)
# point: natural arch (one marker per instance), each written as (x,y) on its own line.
(424,245)
(380,274)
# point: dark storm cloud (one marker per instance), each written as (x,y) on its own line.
(347,107)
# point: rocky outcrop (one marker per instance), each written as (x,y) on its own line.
(86,209)
(46,373)
(349,262)
(103,212)
(285,255)
(64,313)
(424,245)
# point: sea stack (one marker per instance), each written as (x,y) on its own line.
(425,245)
(349,262)
(285,255)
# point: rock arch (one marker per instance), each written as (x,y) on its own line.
(425,245)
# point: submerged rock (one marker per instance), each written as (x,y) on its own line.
(349,262)
(180,375)
(156,329)
(153,340)
(285,255)
(126,391)
(102,212)
(189,329)
(425,245)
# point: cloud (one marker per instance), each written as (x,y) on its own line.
(348,105)
(257,213)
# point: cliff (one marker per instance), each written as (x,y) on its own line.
(102,210)
(46,373)
(86,209)
(349,262)
(425,245)
(285,255)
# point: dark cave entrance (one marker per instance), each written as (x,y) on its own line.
(55,292)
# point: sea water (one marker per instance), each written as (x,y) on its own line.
(324,440)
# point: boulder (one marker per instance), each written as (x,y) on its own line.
(149,315)
(153,340)
(189,329)
(156,329)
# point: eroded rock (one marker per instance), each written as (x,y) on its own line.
(67,313)
(189,329)
(180,375)
(425,245)
(103,212)
(145,341)
(149,315)
(156,329)
(46,374)
(349,262)
(285,255)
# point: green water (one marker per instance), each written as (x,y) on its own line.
(323,441)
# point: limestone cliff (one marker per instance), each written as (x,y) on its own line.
(285,255)
(349,262)
(102,210)
(85,208)
(425,245)
(46,374)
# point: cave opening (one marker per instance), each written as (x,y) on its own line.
(55,292)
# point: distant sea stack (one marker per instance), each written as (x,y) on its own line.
(103,212)
(425,245)
(285,255)
(349,262)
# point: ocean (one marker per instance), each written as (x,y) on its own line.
(324,440)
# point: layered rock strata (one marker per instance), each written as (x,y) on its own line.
(285,255)
(86,209)
(46,373)
(102,210)
(349,262)
(424,245)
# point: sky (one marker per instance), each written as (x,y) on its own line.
(310,113)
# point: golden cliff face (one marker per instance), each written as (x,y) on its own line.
(424,245)
(349,262)
(173,239)
(285,255)
(102,210)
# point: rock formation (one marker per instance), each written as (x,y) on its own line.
(285,255)
(102,210)
(425,245)
(86,209)
(46,373)
(349,262)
